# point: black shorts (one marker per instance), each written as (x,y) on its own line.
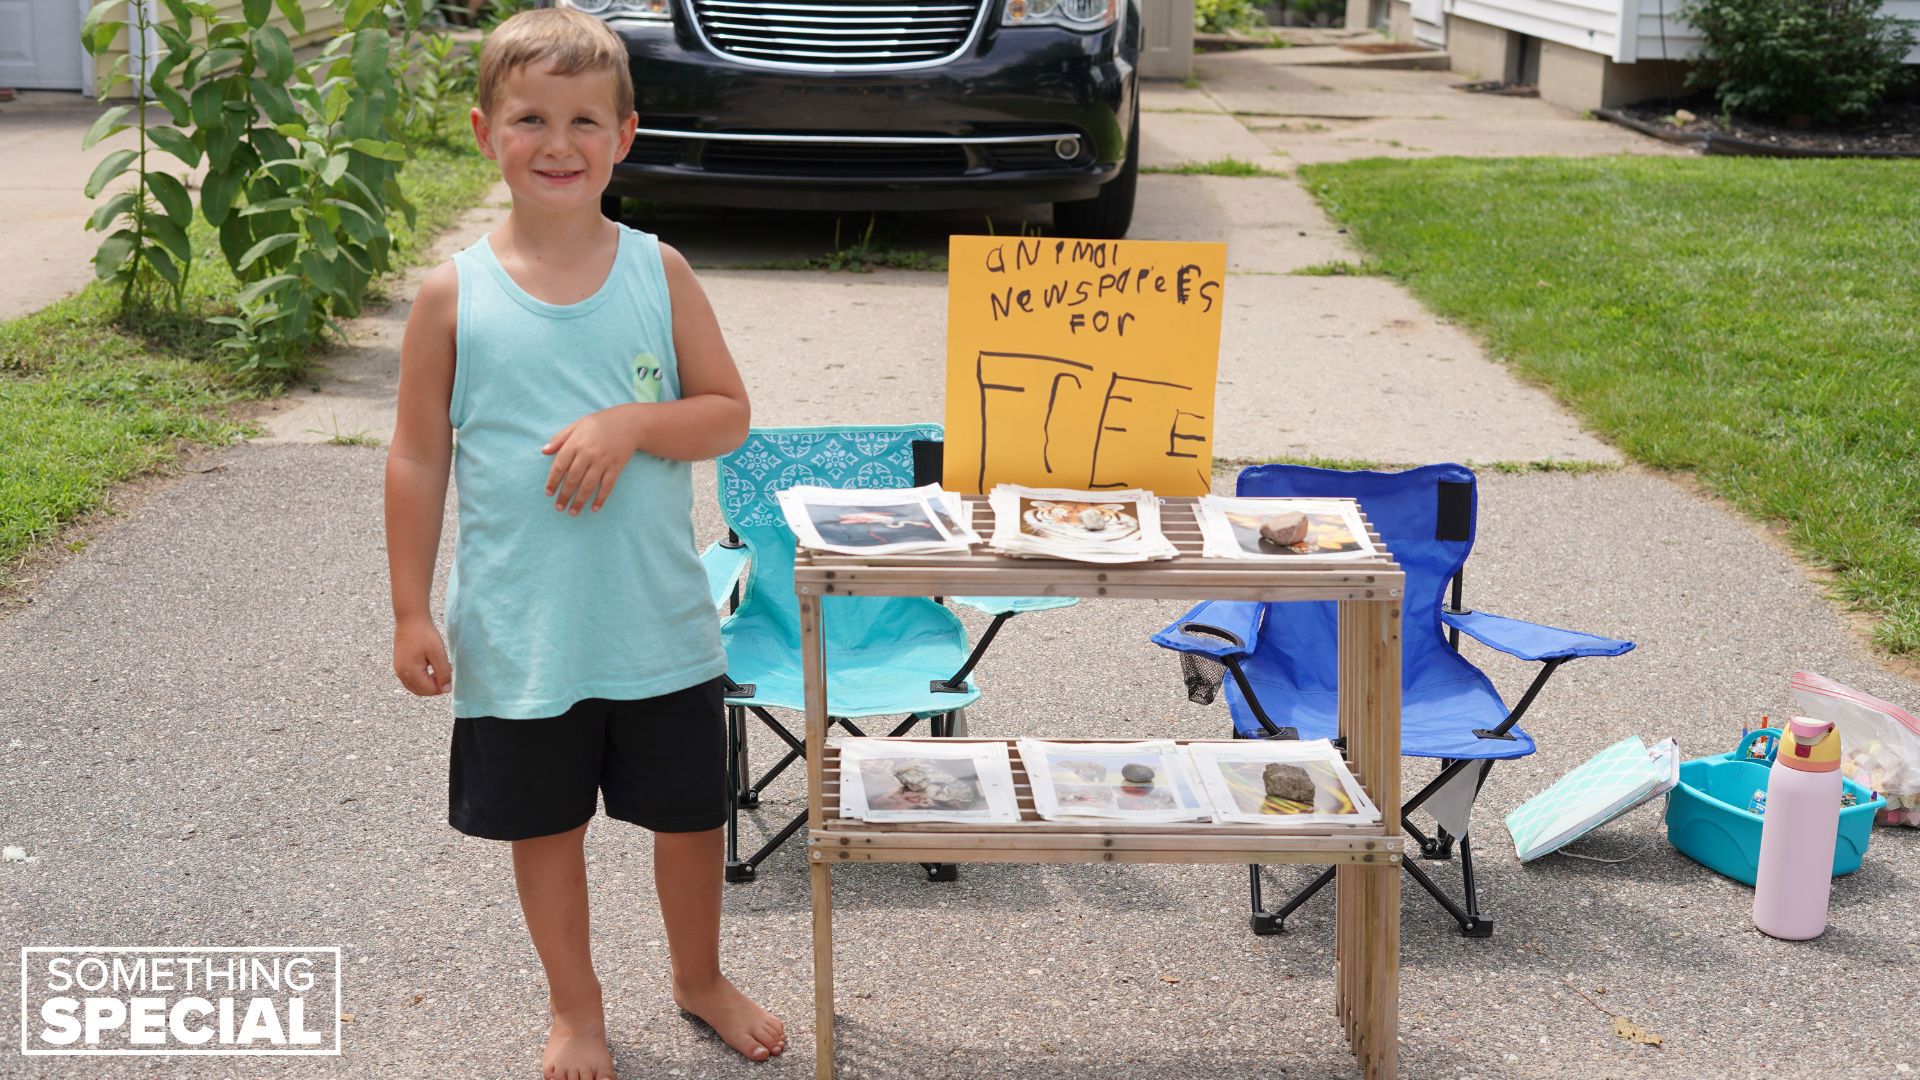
(661,761)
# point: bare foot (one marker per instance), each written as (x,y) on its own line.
(741,1024)
(577,1048)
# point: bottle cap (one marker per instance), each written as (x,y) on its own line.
(1810,746)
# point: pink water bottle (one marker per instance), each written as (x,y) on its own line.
(1797,835)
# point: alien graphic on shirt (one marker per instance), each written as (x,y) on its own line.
(649,382)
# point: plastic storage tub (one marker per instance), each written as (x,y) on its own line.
(1708,819)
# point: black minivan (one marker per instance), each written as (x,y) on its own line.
(885,104)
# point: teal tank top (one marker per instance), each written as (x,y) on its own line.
(545,609)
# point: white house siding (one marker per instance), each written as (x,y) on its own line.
(1682,40)
(1621,30)
(1593,25)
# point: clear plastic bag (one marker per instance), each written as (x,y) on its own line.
(1879,742)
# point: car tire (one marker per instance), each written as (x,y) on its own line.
(1108,215)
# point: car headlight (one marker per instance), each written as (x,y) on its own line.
(654,10)
(1077,14)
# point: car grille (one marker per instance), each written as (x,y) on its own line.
(649,150)
(838,33)
(834,159)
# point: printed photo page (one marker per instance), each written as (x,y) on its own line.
(1276,782)
(1083,526)
(1280,529)
(877,521)
(1138,781)
(905,780)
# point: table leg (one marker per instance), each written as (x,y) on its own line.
(822,970)
(813,661)
(1344,960)
(1368,912)
(1381,1023)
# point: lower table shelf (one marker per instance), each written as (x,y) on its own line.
(1035,840)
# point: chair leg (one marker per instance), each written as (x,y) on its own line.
(1476,926)
(1435,848)
(742,795)
(1275,922)
(735,871)
(747,796)
(1472,923)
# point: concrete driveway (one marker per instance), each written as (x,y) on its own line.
(203,743)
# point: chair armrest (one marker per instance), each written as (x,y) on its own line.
(1531,641)
(1217,628)
(723,565)
(1015,605)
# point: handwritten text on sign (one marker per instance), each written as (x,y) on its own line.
(1082,363)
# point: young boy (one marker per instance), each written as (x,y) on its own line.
(584,371)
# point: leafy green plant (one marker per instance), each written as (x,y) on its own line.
(499,11)
(1222,16)
(335,189)
(147,244)
(439,77)
(301,162)
(1821,60)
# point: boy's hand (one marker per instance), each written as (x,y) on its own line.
(420,658)
(588,455)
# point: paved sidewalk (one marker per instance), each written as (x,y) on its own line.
(44,246)
(203,742)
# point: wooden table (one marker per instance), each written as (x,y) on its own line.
(1367,881)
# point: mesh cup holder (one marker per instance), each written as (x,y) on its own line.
(1203,676)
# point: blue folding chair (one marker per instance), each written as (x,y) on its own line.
(1281,659)
(886,656)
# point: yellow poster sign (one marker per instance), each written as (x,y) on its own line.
(1082,363)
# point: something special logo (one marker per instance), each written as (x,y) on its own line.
(178,1000)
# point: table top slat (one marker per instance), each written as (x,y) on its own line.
(982,571)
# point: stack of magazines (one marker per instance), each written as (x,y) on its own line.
(884,521)
(1237,781)
(1084,526)
(1243,528)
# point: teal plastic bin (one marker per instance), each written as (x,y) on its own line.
(1708,819)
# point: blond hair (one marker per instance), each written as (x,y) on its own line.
(572,41)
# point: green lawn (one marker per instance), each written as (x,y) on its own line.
(1755,322)
(87,401)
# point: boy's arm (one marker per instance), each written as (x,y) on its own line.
(712,415)
(416,496)
(710,418)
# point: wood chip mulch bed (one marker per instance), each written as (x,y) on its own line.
(1891,131)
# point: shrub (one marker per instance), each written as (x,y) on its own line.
(302,158)
(1826,60)
(1220,16)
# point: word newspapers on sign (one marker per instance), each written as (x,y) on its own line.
(1082,364)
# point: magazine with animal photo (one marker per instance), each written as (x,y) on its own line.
(867,521)
(1243,528)
(1085,526)
(1273,782)
(897,780)
(1126,781)
(955,514)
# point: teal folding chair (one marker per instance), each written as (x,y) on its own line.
(886,656)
